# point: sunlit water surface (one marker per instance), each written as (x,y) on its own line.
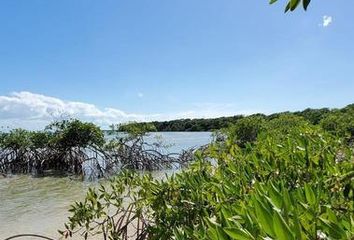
(40,205)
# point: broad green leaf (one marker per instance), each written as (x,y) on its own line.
(294,4)
(331,216)
(310,196)
(239,234)
(212,234)
(276,196)
(286,201)
(264,218)
(281,229)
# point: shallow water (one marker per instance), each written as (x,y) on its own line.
(37,205)
(40,205)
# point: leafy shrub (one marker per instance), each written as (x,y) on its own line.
(340,123)
(290,187)
(74,133)
(39,139)
(16,139)
(136,129)
(61,146)
(246,130)
(314,116)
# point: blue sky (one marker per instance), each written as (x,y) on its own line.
(158,59)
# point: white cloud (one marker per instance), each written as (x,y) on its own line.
(31,110)
(326,21)
(140,95)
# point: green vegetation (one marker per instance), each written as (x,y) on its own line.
(66,146)
(191,125)
(340,122)
(74,133)
(275,177)
(135,129)
(246,130)
(314,116)
(62,146)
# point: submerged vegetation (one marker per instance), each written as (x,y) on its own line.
(283,177)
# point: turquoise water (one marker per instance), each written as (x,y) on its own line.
(39,205)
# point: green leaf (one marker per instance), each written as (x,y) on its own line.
(239,234)
(335,231)
(281,229)
(221,233)
(275,196)
(310,196)
(294,4)
(331,215)
(212,234)
(297,225)
(287,202)
(264,218)
(272,1)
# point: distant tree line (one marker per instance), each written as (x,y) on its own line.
(314,116)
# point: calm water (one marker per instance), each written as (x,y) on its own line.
(39,205)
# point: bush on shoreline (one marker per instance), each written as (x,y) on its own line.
(288,179)
(60,147)
(66,146)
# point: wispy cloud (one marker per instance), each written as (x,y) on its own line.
(31,110)
(140,95)
(326,21)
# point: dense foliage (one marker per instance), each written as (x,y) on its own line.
(314,116)
(62,146)
(192,125)
(61,134)
(135,129)
(340,123)
(279,177)
(80,148)
(74,133)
